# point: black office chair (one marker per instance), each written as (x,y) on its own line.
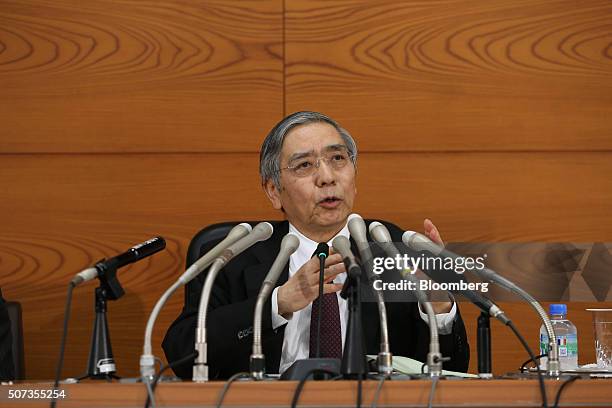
(14,312)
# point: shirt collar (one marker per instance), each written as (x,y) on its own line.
(308,246)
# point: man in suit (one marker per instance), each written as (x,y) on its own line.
(308,169)
(7,369)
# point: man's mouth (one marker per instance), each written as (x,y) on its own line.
(330,202)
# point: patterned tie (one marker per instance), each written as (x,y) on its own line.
(331,333)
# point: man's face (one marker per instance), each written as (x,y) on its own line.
(317,204)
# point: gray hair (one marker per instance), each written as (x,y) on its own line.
(269,156)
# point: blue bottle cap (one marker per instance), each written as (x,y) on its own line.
(557,309)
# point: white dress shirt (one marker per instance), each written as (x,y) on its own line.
(296,343)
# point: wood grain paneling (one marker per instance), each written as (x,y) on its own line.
(455,75)
(61,213)
(116,76)
(122,120)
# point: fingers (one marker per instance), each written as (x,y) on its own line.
(432,232)
(333,259)
(332,287)
(312,266)
(329,274)
(333,270)
(308,275)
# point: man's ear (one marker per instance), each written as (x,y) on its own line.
(273,194)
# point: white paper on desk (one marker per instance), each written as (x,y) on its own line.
(406,365)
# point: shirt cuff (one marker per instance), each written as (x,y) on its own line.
(444,321)
(277,319)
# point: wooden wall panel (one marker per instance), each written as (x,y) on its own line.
(108,76)
(455,75)
(77,209)
(62,213)
(493,197)
(122,120)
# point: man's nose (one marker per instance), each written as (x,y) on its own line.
(325,174)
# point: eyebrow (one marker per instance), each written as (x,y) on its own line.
(329,148)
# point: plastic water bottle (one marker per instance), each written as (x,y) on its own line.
(567,338)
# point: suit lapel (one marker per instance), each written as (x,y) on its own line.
(265,252)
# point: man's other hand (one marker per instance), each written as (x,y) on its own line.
(432,233)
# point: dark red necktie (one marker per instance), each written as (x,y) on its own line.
(331,333)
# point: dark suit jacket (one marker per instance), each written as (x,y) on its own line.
(230,319)
(7,369)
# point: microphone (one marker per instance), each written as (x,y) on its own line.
(342,245)
(422,243)
(261,232)
(135,253)
(289,245)
(380,234)
(147,359)
(236,233)
(357,229)
(322,250)
(416,242)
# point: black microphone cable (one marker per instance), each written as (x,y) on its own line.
(60,362)
(565,384)
(151,387)
(228,383)
(524,365)
(535,361)
(300,386)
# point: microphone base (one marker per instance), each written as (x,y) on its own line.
(200,373)
(385,363)
(299,368)
(101,361)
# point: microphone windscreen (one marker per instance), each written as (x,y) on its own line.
(322,250)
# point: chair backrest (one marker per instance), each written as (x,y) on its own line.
(208,235)
(14,312)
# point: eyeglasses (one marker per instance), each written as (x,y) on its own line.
(307,166)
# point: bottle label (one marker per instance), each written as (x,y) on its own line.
(568,345)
